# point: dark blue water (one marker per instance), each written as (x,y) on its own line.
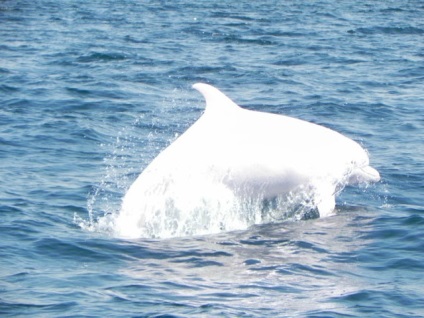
(91,91)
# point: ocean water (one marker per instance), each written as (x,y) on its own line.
(92,91)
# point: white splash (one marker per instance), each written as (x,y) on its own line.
(234,168)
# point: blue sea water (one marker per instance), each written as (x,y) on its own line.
(91,91)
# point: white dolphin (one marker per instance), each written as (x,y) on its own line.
(231,152)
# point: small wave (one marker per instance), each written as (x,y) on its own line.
(389,30)
(101,57)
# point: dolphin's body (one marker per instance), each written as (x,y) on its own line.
(231,152)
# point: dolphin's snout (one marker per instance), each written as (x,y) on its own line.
(364,175)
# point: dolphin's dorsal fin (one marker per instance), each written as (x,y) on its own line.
(215,99)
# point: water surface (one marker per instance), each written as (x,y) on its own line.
(90,92)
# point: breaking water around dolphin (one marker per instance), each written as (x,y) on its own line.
(91,93)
